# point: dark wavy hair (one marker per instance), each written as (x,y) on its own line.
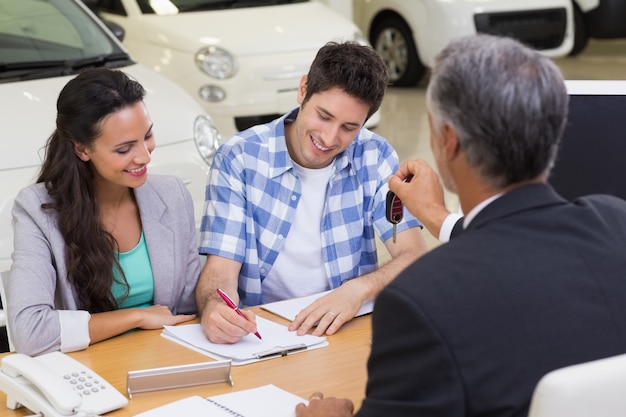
(83,104)
(354,68)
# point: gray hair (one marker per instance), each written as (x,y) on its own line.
(507,103)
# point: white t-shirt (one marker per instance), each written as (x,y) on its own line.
(299,268)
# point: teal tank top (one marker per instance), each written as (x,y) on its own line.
(136,266)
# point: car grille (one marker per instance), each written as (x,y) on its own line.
(242,123)
(540,29)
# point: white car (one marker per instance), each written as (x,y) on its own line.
(602,19)
(242,59)
(409,33)
(43,44)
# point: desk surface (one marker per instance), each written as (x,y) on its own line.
(338,370)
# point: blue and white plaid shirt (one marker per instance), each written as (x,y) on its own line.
(252,195)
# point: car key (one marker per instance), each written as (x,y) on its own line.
(393,211)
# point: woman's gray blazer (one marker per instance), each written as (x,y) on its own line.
(43,315)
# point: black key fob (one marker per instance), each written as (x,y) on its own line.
(393,208)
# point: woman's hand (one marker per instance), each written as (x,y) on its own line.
(157,316)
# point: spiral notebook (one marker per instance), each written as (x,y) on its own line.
(264,401)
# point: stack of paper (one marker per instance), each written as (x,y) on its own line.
(289,308)
(277,341)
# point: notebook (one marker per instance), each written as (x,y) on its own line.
(265,401)
(277,341)
(289,308)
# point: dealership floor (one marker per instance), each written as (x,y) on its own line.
(404,122)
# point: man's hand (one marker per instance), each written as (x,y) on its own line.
(422,195)
(330,312)
(221,324)
(325,407)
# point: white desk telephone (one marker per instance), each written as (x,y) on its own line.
(56,385)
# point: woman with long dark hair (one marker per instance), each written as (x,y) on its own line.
(100,247)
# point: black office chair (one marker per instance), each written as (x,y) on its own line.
(5,343)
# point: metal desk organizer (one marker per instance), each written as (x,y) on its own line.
(178,376)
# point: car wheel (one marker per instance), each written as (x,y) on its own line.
(393,40)
(580,31)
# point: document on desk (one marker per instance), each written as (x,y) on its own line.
(264,401)
(289,308)
(277,341)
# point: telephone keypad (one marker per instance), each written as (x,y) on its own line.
(83,383)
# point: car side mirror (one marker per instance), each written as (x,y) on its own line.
(117,30)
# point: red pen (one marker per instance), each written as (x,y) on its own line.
(232,305)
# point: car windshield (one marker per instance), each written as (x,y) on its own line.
(182,6)
(48,38)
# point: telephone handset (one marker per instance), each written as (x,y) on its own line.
(56,385)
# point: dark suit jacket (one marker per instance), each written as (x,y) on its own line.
(535,283)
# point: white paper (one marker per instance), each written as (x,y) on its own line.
(264,401)
(276,337)
(289,308)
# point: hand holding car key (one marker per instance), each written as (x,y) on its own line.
(394,208)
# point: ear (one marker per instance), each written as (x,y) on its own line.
(451,145)
(79,150)
(302,89)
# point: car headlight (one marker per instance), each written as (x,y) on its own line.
(207,138)
(217,62)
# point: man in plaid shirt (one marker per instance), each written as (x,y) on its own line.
(292,206)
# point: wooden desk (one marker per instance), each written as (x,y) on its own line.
(337,370)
